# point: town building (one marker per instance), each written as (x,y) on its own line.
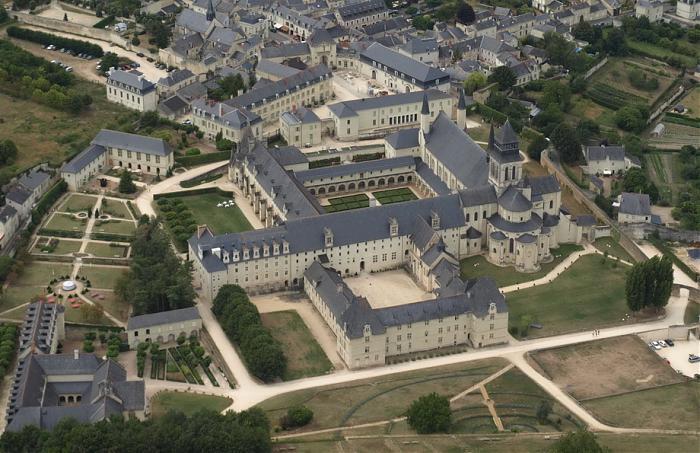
(651,9)
(608,160)
(423,50)
(138,153)
(634,208)
(164,326)
(25,191)
(377,116)
(215,118)
(359,15)
(301,127)
(399,72)
(9,225)
(688,9)
(132,90)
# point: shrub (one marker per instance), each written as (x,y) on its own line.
(296,416)
(430,414)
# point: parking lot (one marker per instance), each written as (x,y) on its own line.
(677,355)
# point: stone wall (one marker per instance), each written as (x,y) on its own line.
(595,68)
(72,28)
(643,230)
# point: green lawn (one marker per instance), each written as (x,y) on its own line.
(187,403)
(349,202)
(111,303)
(115,209)
(66,222)
(106,250)
(220,220)
(33,280)
(613,248)
(304,355)
(77,315)
(77,203)
(64,247)
(123,227)
(478,266)
(660,52)
(670,407)
(379,398)
(588,295)
(394,195)
(101,276)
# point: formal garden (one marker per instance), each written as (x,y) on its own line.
(185,362)
(394,195)
(348,202)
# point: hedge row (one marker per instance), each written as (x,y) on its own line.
(201,179)
(682,119)
(366,157)
(58,41)
(8,345)
(61,233)
(240,319)
(490,114)
(112,237)
(202,159)
(107,21)
(324,162)
(48,200)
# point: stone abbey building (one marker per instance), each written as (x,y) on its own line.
(474,201)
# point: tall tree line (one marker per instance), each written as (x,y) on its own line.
(649,284)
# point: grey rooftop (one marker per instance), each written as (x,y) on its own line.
(164,317)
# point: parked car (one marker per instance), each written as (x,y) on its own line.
(692,358)
(187,122)
(90,57)
(149,59)
(139,54)
(663,344)
(669,342)
(69,69)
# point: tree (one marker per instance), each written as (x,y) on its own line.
(135,41)
(503,76)
(649,284)
(430,414)
(556,93)
(109,60)
(465,13)
(126,183)
(6,263)
(296,416)
(614,43)
(65,17)
(581,441)
(475,81)
(630,118)
(456,55)
(156,280)
(535,148)
(566,143)
(543,411)
(8,152)
(423,23)
(4,17)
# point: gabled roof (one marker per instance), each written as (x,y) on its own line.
(612,152)
(163,317)
(84,158)
(133,79)
(401,63)
(348,109)
(635,204)
(513,200)
(132,142)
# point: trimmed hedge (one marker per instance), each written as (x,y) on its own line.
(366,157)
(324,162)
(112,237)
(48,200)
(109,20)
(8,346)
(61,233)
(202,179)
(45,39)
(490,114)
(682,120)
(185,193)
(202,159)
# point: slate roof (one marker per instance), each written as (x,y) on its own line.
(597,153)
(542,184)
(163,317)
(174,105)
(353,11)
(395,61)
(6,213)
(39,327)
(301,116)
(133,79)
(478,196)
(585,220)
(348,109)
(285,51)
(335,171)
(18,194)
(431,179)
(404,138)
(84,158)
(34,178)
(418,46)
(635,204)
(132,142)
(222,113)
(193,21)
(513,200)
(175,77)
(270,91)
(526,238)
(465,159)
(288,155)
(532,224)
(276,69)
(393,23)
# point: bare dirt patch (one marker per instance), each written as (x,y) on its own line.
(387,289)
(606,367)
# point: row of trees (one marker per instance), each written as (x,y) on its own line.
(25,76)
(45,39)
(687,209)
(240,319)
(157,280)
(649,284)
(244,432)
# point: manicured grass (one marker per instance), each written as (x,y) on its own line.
(588,295)
(636,367)
(304,355)
(670,407)
(221,220)
(101,276)
(77,315)
(115,209)
(43,134)
(38,273)
(692,313)
(125,227)
(187,403)
(478,266)
(64,246)
(379,398)
(106,250)
(394,195)
(613,248)
(17,295)
(77,203)
(349,202)
(66,222)
(111,303)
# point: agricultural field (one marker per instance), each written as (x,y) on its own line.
(661,52)
(664,168)
(394,195)
(675,136)
(629,81)
(304,355)
(348,202)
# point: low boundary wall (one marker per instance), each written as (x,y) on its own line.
(72,28)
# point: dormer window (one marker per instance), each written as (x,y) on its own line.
(266,250)
(236,255)
(275,248)
(328,237)
(256,252)
(434,220)
(246,253)
(393,227)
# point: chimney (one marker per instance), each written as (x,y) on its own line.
(221,109)
(339,288)
(76,354)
